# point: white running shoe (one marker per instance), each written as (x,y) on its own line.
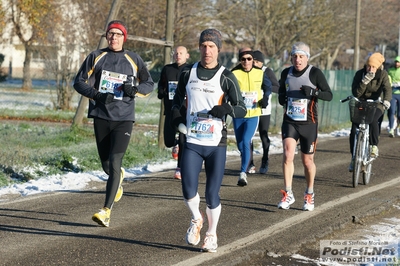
(177,174)
(242,181)
(193,232)
(308,202)
(251,169)
(210,243)
(287,200)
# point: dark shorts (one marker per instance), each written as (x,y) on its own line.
(306,133)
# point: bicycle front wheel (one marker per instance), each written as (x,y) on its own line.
(358,157)
(367,168)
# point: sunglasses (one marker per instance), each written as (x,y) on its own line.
(243,59)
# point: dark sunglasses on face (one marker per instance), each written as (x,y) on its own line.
(243,59)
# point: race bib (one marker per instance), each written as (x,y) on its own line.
(250,99)
(172,85)
(202,126)
(297,109)
(111,82)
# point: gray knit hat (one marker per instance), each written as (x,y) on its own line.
(211,35)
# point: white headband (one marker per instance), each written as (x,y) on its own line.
(301,52)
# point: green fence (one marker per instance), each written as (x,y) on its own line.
(331,115)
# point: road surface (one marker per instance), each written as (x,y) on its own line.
(148,225)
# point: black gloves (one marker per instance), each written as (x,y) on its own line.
(176,118)
(282,98)
(308,91)
(161,93)
(263,102)
(129,89)
(104,98)
(220,110)
(368,77)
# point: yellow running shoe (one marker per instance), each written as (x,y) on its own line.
(102,217)
(120,190)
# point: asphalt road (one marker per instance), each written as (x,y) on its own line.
(148,225)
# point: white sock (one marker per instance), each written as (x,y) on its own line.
(213,219)
(193,205)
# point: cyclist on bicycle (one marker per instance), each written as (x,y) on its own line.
(371,82)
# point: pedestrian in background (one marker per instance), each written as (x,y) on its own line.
(212,93)
(111,78)
(300,88)
(166,92)
(394,110)
(255,88)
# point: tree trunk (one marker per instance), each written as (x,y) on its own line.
(169,33)
(27,79)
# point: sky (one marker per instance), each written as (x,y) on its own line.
(387,229)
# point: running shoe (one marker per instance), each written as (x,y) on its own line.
(120,190)
(251,169)
(175,151)
(210,243)
(193,232)
(374,151)
(287,200)
(398,132)
(264,167)
(102,217)
(177,174)
(351,166)
(242,181)
(391,133)
(308,202)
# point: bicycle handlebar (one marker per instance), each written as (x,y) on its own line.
(358,100)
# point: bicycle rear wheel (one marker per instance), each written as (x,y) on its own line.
(358,155)
(367,173)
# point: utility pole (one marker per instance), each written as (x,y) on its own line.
(169,35)
(398,49)
(83,102)
(357,37)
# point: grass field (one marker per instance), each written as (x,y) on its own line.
(38,140)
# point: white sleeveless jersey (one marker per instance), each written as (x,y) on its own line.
(297,103)
(202,96)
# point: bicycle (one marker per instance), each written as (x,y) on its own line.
(361,113)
